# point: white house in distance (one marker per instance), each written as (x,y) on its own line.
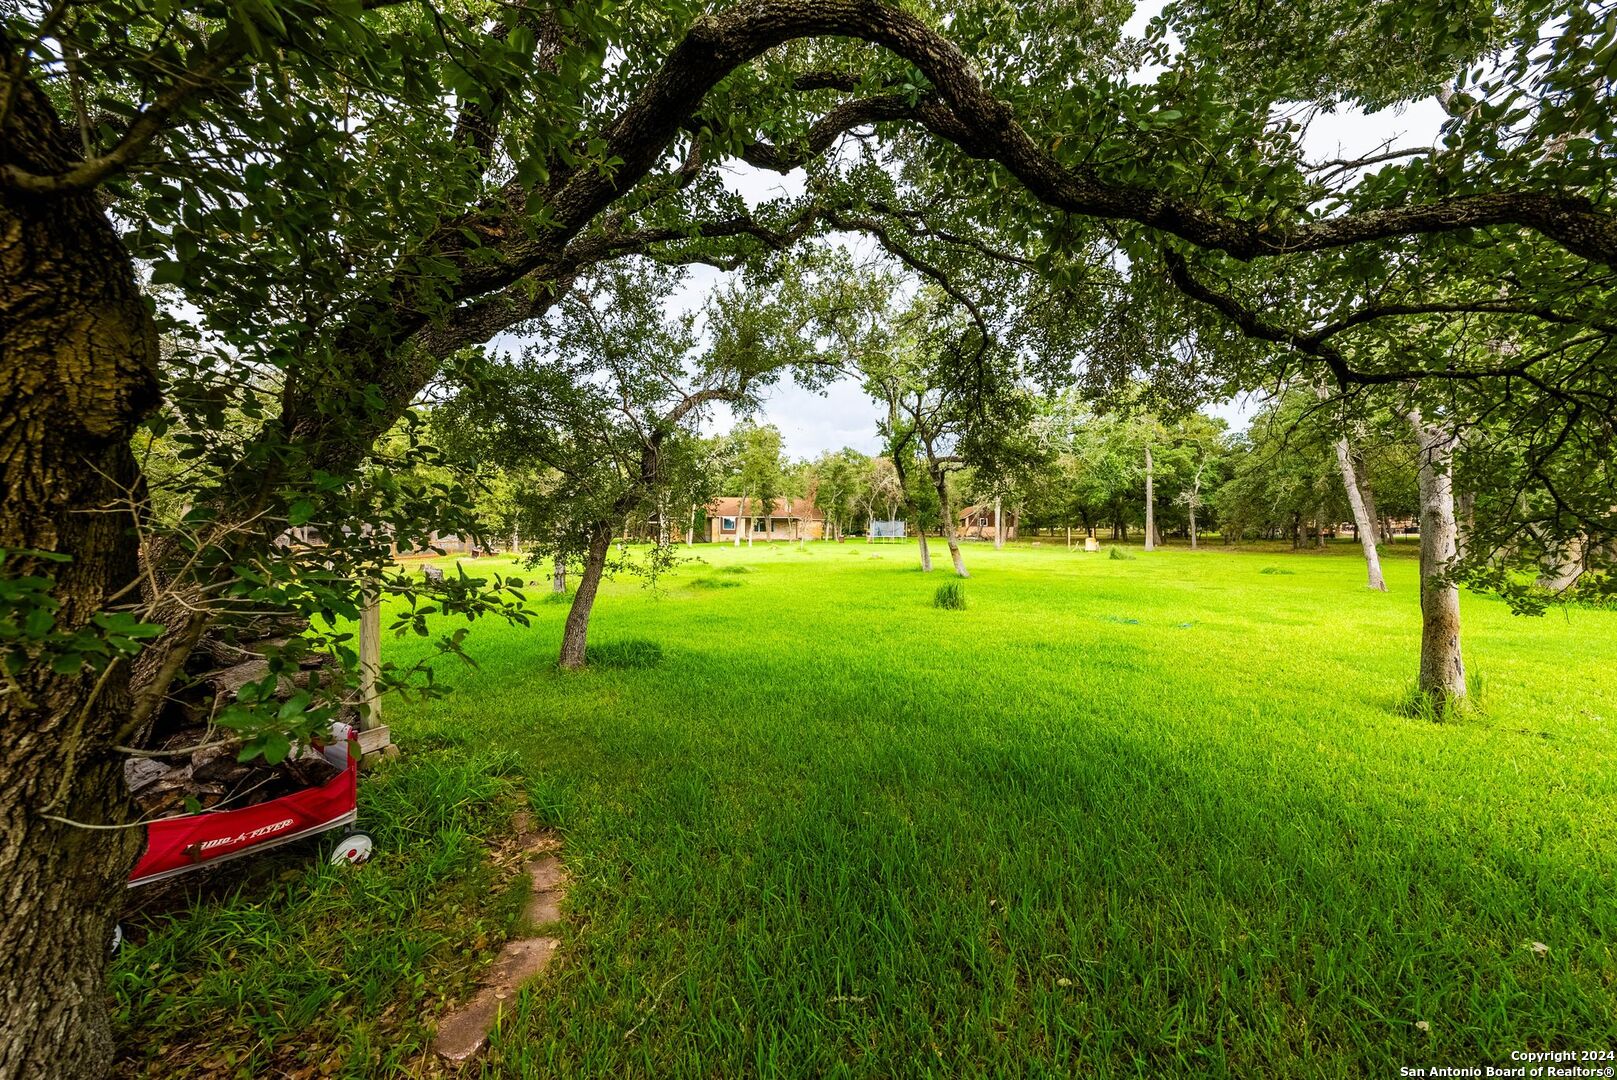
(786,519)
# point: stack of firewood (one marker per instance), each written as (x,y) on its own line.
(186,773)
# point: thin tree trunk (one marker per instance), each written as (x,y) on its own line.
(1364,521)
(78,364)
(1465,517)
(926,553)
(999,526)
(954,552)
(1192,508)
(1442,668)
(575,635)
(1367,495)
(558,575)
(1150,504)
(940,481)
(1562,564)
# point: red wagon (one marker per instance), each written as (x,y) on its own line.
(178,844)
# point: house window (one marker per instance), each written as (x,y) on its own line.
(727,524)
(758,525)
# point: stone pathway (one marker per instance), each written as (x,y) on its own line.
(464,1031)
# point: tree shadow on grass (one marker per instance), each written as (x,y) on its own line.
(629,654)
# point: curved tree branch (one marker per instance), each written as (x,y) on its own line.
(964,112)
(1317,346)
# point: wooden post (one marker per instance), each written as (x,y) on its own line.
(373,734)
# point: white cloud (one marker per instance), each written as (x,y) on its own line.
(811,422)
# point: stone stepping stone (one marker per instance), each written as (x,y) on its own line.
(464,1031)
(549,887)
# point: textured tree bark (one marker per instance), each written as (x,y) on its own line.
(1150,504)
(558,575)
(1442,669)
(1562,564)
(1364,522)
(78,369)
(575,635)
(926,552)
(1367,495)
(941,483)
(955,555)
(1465,516)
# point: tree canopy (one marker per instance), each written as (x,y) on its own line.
(266,230)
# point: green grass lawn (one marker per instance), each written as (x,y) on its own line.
(1134,817)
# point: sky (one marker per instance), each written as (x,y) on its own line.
(812,422)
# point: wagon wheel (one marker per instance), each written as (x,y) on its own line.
(352,850)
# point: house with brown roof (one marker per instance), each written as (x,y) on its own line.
(785,519)
(977,522)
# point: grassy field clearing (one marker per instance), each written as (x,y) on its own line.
(1150,816)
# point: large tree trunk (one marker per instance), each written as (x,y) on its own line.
(78,369)
(1442,670)
(575,635)
(1150,504)
(1364,521)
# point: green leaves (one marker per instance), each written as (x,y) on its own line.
(29,634)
